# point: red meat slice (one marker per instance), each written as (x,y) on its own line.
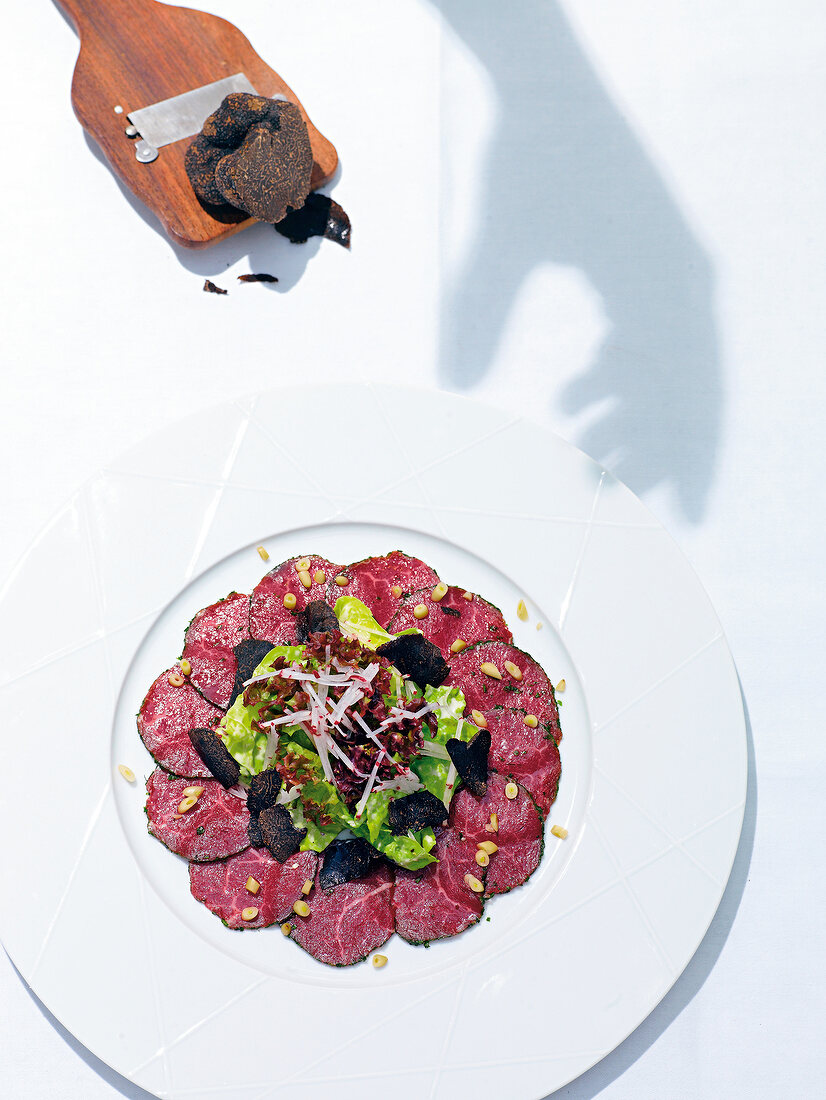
(373,580)
(208,646)
(350,921)
(223,818)
(519,836)
(482,692)
(528,755)
(437,902)
(476,619)
(166,716)
(222,886)
(270,620)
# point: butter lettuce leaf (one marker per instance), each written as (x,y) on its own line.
(356,621)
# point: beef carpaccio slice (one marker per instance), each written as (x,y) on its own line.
(437,902)
(529,755)
(222,886)
(222,817)
(348,922)
(483,692)
(452,618)
(372,581)
(208,646)
(269,618)
(519,836)
(166,716)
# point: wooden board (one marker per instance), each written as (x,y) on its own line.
(136,52)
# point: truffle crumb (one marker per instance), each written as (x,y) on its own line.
(320,216)
(211,288)
(260,277)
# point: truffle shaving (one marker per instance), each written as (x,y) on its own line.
(320,216)
(470,758)
(418,658)
(249,655)
(279,834)
(416,811)
(316,618)
(214,754)
(346,861)
(263,791)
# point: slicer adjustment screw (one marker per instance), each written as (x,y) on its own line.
(131,131)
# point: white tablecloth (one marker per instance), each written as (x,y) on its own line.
(608,214)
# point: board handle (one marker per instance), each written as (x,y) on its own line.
(102,16)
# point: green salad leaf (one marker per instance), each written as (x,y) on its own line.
(434,771)
(248,746)
(356,621)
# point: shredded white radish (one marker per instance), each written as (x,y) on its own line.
(434,749)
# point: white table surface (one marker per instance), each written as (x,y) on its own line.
(609,214)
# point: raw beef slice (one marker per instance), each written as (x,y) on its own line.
(529,755)
(519,835)
(372,581)
(209,643)
(166,716)
(483,692)
(222,886)
(452,618)
(437,902)
(348,922)
(269,618)
(222,817)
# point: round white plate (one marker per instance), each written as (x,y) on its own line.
(97,916)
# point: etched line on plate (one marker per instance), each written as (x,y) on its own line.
(94,820)
(153,982)
(586,538)
(653,935)
(598,728)
(320,490)
(212,508)
(166,1048)
(335,1051)
(451,1027)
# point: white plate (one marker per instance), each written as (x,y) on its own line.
(97,916)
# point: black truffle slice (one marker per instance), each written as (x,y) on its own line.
(470,758)
(254,833)
(415,811)
(258,277)
(419,658)
(249,654)
(279,834)
(320,216)
(316,618)
(454,611)
(269,174)
(346,861)
(263,791)
(214,754)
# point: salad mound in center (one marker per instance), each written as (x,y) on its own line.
(345,741)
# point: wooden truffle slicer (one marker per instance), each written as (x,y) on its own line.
(136,57)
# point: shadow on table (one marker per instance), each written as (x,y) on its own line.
(568,182)
(106,1073)
(691,981)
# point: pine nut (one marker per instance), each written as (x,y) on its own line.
(488,846)
(482,858)
(420,611)
(396,590)
(513,669)
(186,804)
(175,679)
(439,592)
(467,595)
(262,553)
(289,601)
(305,578)
(301,909)
(479,719)
(473,882)
(253,885)
(539,626)
(379,961)
(249,914)
(458,645)
(342,581)
(307,887)
(522,611)
(559,831)
(560,687)
(511,791)
(286,928)
(319,576)
(127,773)
(304,564)
(491,670)
(195,792)
(531,720)
(186,667)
